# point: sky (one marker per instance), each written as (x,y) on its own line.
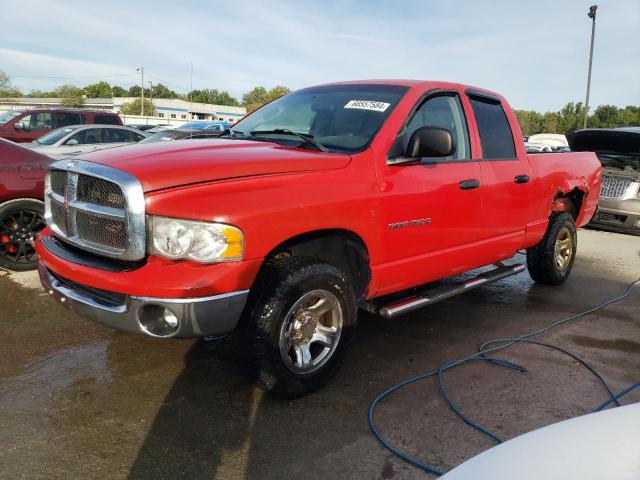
(533,52)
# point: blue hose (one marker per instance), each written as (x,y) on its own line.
(482,354)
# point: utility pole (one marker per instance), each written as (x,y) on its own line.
(191,92)
(141,70)
(151,96)
(592,16)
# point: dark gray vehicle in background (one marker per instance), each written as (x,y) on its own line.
(618,149)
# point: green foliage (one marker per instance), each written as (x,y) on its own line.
(213,96)
(135,107)
(98,90)
(571,118)
(118,91)
(71,95)
(160,90)
(6,89)
(134,91)
(259,96)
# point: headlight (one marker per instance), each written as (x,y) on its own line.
(198,241)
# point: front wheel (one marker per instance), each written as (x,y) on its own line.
(20,222)
(299,326)
(550,261)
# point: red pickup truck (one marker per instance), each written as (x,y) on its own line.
(325,200)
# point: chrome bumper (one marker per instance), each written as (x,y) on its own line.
(196,317)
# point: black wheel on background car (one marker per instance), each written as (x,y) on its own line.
(298,326)
(20,222)
(550,261)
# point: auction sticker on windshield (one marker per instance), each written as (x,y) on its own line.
(368,105)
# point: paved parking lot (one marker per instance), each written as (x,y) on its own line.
(80,401)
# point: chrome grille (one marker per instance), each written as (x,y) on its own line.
(99,192)
(101,231)
(614,187)
(97,208)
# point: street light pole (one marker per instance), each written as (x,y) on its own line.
(592,16)
(141,70)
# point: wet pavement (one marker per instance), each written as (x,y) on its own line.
(80,401)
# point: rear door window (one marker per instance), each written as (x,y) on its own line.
(495,132)
(64,119)
(115,135)
(106,120)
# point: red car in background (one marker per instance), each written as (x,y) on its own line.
(21,206)
(29,125)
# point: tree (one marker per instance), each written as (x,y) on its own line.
(162,91)
(135,107)
(71,95)
(134,91)
(98,90)
(213,96)
(259,96)
(118,91)
(6,89)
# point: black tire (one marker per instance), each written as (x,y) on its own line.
(20,222)
(278,289)
(542,260)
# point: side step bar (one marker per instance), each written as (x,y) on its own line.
(441,293)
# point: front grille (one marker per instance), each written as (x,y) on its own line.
(614,187)
(99,192)
(101,231)
(97,209)
(58,182)
(58,216)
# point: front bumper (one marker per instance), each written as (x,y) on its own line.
(194,317)
(618,215)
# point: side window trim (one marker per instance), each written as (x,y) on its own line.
(429,94)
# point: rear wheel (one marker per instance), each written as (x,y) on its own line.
(550,261)
(20,222)
(299,326)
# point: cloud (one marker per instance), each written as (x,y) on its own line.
(535,54)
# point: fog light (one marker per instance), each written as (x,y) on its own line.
(158,321)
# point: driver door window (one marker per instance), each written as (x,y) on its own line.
(443,111)
(85,137)
(37,121)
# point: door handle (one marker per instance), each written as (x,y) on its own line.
(521,178)
(469,184)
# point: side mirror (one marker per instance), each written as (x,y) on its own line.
(18,126)
(71,142)
(430,142)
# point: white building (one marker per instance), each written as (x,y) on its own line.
(168,111)
(174,109)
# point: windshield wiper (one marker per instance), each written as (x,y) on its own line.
(285,131)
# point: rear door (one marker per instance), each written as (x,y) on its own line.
(506,175)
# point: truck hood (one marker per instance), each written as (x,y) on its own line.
(615,147)
(171,164)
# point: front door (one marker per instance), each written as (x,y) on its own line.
(431,209)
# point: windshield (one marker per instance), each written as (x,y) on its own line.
(55,136)
(165,136)
(8,115)
(342,118)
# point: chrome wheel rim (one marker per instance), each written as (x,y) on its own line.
(311,331)
(563,249)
